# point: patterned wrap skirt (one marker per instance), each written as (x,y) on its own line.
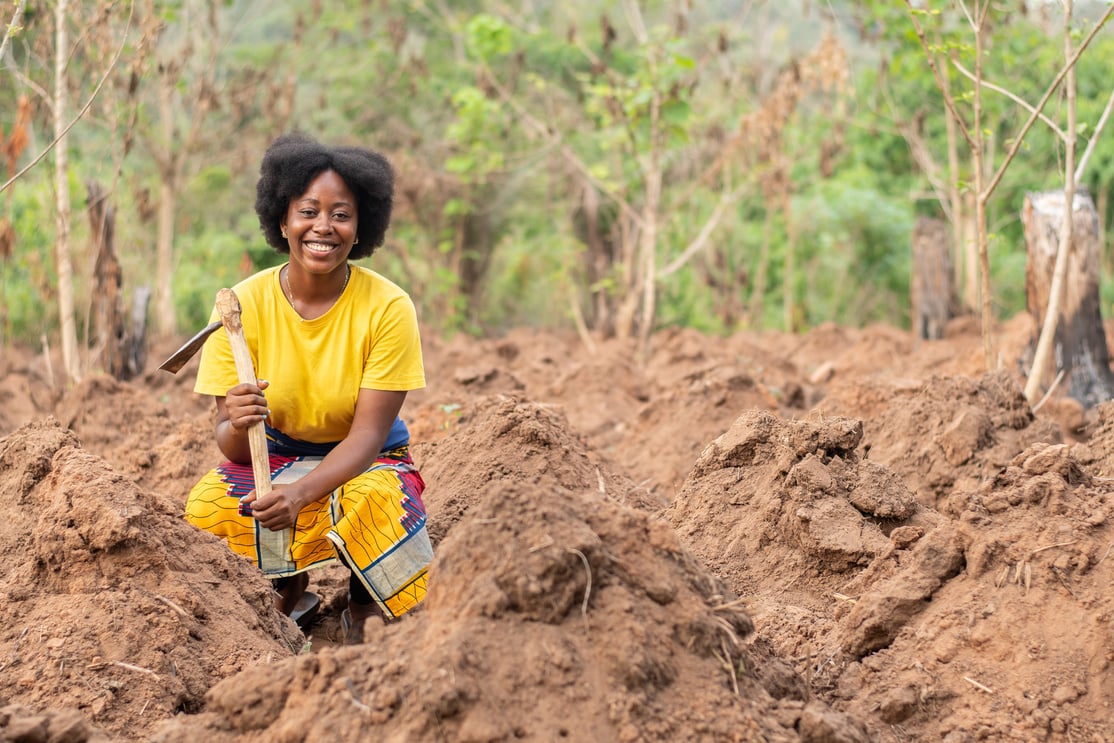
(375,524)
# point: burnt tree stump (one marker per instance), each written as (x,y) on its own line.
(123,358)
(137,343)
(933,286)
(1080,348)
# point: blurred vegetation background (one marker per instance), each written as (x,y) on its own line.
(614,167)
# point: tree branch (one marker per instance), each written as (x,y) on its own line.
(555,139)
(937,74)
(985,11)
(1094,138)
(967,12)
(84,109)
(634,18)
(1043,101)
(34,86)
(727,198)
(1015,98)
(921,155)
(17,16)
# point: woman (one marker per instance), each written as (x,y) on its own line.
(336,348)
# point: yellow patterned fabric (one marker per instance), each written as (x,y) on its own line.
(375,524)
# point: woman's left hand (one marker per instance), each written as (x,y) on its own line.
(278,509)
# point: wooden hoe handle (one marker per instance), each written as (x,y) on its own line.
(228,306)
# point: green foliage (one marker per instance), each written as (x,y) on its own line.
(486,232)
(206,264)
(23,276)
(535,276)
(854,252)
(476,122)
(488,37)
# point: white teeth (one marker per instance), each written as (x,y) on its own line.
(319,247)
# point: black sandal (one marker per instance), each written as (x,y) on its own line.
(306,610)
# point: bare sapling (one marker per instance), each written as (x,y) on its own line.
(973,133)
(1056,294)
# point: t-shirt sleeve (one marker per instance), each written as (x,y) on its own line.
(216,373)
(395,358)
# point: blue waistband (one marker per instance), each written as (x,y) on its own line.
(288,446)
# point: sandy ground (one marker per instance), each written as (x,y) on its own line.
(838,536)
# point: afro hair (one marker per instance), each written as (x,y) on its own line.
(294,160)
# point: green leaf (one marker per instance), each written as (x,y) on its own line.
(460,164)
(676,113)
(456,207)
(488,37)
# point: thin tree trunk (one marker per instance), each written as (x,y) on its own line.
(964,269)
(63,259)
(164,259)
(168,202)
(649,250)
(1048,330)
(981,198)
(969,249)
(628,302)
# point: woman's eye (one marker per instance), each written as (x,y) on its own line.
(307,213)
(341,216)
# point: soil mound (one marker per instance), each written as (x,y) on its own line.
(18,723)
(600,390)
(1025,623)
(1097,451)
(945,433)
(165,444)
(697,391)
(788,512)
(111,603)
(906,616)
(647,419)
(508,440)
(24,390)
(546,596)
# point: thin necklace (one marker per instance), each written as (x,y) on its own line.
(284,283)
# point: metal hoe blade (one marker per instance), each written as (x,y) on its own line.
(179,358)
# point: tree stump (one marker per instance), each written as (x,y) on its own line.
(932,287)
(124,353)
(1081,351)
(137,349)
(108,320)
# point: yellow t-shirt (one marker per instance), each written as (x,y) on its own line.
(368,339)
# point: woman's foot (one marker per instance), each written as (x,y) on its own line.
(354,618)
(291,592)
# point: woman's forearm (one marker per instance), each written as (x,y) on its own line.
(233,443)
(349,458)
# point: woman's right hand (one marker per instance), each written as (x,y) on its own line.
(246,405)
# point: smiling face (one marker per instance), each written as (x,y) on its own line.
(321,224)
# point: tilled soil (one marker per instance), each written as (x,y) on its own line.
(838,536)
